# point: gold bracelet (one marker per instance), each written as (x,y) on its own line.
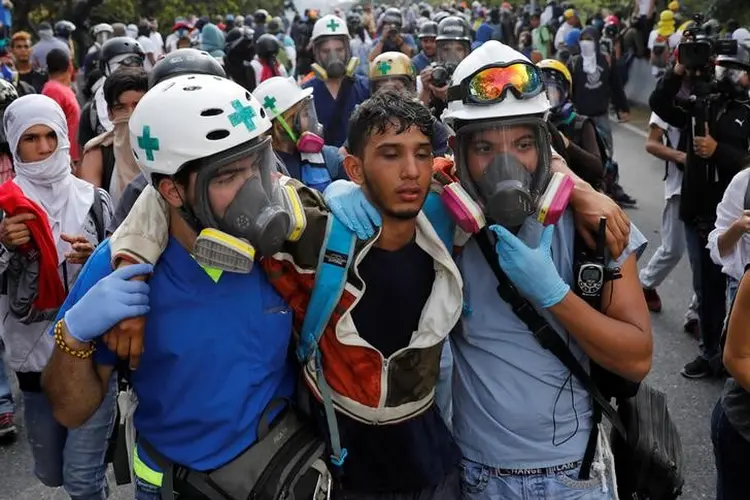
(64,347)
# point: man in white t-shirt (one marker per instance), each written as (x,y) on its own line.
(144,40)
(156,40)
(663,142)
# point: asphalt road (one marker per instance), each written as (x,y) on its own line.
(690,401)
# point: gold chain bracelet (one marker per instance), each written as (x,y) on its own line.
(63,346)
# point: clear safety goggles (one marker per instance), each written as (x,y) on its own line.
(223,175)
(332,47)
(398,84)
(495,153)
(305,120)
(451,51)
(490,84)
(557,88)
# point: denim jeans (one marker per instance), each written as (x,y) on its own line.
(73,458)
(146,491)
(711,296)
(480,482)
(732,454)
(6,396)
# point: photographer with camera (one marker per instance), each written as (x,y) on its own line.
(453,45)
(716,119)
(390,38)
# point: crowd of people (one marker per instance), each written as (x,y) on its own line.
(374,254)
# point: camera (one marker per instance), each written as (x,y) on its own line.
(442,73)
(702,47)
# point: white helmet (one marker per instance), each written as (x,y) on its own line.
(102,28)
(189,117)
(488,54)
(328,26)
(279,94)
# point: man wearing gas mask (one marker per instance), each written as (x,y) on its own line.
(453,45)
(404,269)
(297,135)
(337,90)
(717,124)
(390,38)
(573,135)
(218,176)
(503,160)
(392,71)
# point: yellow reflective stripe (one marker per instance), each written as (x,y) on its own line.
(145,472)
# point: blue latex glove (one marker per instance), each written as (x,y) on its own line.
(531,270)
(110,301)
(347,202)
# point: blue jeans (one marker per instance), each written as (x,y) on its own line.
(146,491)
(73,458)
(711,297)
(732,454)
(6,396)
(480,482)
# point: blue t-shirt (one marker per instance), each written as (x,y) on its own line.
(315,175)
(515,405)
(215,355)
(334,113)
(420,62)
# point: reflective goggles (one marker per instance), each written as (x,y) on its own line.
(489,84)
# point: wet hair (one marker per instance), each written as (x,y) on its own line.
(123,80)
(58,61)
(387,111)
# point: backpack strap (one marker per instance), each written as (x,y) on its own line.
(544,333)
(336,256)
(97,214)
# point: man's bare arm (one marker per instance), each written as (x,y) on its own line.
(75,387)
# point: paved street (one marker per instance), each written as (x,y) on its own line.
(690,401)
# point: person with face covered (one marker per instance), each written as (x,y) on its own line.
(392,71)
(108,158)
(596,85)
(453,45)
(390,38)
(337,90)
(405,269)
(52,223)
(116,52)
(297,135)
(573,135)
(514,446)
(205,184)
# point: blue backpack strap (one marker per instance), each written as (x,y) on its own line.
(330,279)
(438,216)
(333,161)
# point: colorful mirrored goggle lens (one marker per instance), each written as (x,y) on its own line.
(490,84)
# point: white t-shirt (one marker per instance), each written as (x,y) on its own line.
(730,209)
(171,43)
(158,42)
(148,48)
(673,182)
